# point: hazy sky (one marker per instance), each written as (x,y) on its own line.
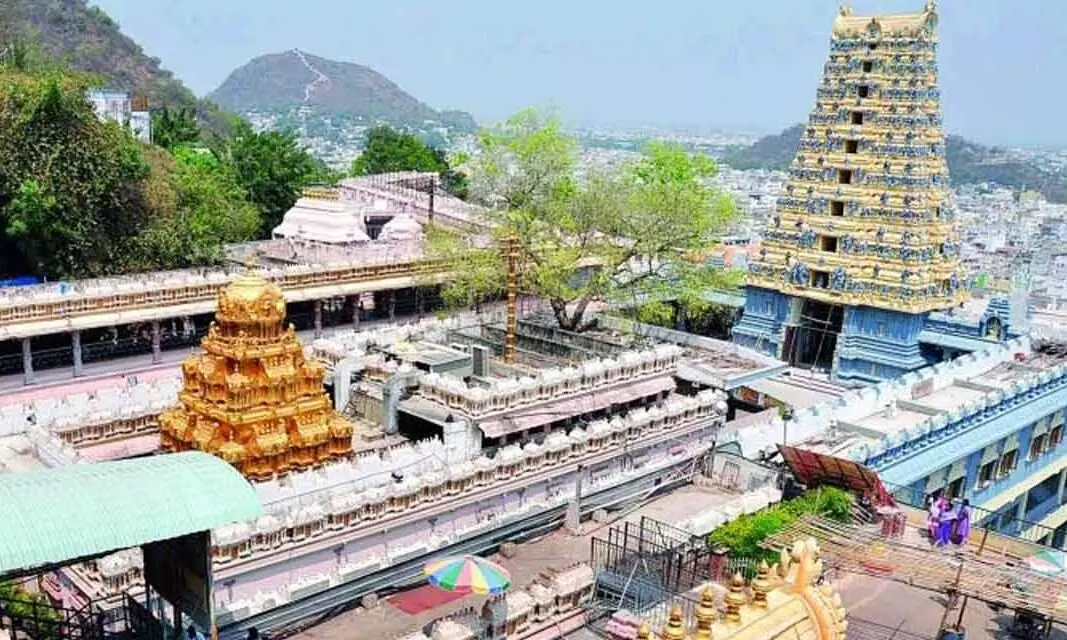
(737,64)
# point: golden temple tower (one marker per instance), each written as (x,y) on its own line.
(252,398)
(863,244)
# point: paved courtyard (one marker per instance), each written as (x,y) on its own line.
(886,610)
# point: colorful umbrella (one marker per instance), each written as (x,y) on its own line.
(468,574)
(1048,561)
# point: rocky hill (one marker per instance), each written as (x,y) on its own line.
(968,163)
(294,80)
(86,39)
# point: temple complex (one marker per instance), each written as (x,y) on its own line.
(863,246)
(252,398)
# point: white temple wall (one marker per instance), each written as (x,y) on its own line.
(853,406)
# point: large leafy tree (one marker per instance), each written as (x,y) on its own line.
(270,166)
(173,128)
(69,183)
(199,206)
(387,150)
(632,233)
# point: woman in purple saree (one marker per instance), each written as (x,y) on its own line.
(946,523)
(963,524)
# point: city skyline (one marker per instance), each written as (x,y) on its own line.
(734,66)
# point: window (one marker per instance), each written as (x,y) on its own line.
(985,474)
(828,243)
(871,46)
(1038,446)
(820,279)
(863,91)
(844,176)
(868,66)
(852,146)
(937,212)
(837,208)
(1055,437)
(1007,462)
(856,117)
(880,331)
(955,488)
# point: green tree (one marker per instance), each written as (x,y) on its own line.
(322,174)
(615,236)
(199,207)
(387,150)
(173,128)
(69,183)
(270,166)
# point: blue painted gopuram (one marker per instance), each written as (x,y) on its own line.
(859,271)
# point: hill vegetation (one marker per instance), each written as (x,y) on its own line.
(81,197)
(83,38)
(968,163)
(283,82)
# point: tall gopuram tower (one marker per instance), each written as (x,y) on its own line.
(863,244)
(252,398)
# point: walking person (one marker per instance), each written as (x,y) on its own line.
(933,517)
(963,524)
(945,525)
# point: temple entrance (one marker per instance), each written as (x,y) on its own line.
(812,342)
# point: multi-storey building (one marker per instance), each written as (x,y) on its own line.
(863,245)
(987,427)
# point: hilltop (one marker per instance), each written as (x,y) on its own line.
(86,39)
(296,80)
(968,163)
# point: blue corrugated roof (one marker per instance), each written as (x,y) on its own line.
(937,456)
(55,515)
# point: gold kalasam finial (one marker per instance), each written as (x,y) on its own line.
(706,615)
(642,632)
(931,6)
(735,599)
(250,264)
(761,586)
(675,629)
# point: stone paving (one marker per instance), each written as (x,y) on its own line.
(883,610)
(558,549)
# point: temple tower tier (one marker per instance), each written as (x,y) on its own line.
(252,398)
(863,244)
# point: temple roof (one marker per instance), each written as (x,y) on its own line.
(900,24)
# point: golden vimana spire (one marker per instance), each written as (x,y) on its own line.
(784,603)
(867,217)
(252,398)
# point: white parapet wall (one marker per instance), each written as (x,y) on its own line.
(763,436)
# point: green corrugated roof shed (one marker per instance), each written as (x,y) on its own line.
(55,515)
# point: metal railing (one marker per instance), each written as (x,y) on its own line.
(998,522)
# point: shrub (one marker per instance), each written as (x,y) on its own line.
(744,535)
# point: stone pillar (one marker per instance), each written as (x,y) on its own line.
(28,376)
(356,309)
(392,305)
(76,351)
(1020,509)
(318,318)
(157,342)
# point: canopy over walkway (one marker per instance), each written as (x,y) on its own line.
(56,516)
(995,578)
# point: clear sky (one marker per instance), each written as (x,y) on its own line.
(732,64)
